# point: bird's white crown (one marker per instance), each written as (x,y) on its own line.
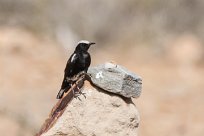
(84,41)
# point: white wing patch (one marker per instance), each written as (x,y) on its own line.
(73,57)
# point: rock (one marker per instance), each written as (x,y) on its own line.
(98,113)
(116,79)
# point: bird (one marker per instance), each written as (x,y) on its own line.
(78,62)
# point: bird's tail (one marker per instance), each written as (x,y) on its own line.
(60,94)
(62,91)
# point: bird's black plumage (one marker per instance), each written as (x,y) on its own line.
(79,61)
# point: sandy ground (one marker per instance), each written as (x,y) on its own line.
(31,70)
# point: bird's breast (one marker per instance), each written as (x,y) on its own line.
(85,60)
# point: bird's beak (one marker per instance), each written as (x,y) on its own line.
(92,43)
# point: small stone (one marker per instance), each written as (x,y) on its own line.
(116,79)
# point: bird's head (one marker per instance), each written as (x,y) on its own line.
(83,45)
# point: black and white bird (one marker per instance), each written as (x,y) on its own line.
(78,62)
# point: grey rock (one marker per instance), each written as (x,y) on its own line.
(116,79)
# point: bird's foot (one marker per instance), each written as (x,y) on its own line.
(79,92)
(77,96)
(84,95)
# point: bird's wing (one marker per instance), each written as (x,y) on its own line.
(71,64)
(68,73)
(73,58)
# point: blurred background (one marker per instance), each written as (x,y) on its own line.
(160,40)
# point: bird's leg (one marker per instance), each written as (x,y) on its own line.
(72,82)
(74,93)
(79,89)
(72,89)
